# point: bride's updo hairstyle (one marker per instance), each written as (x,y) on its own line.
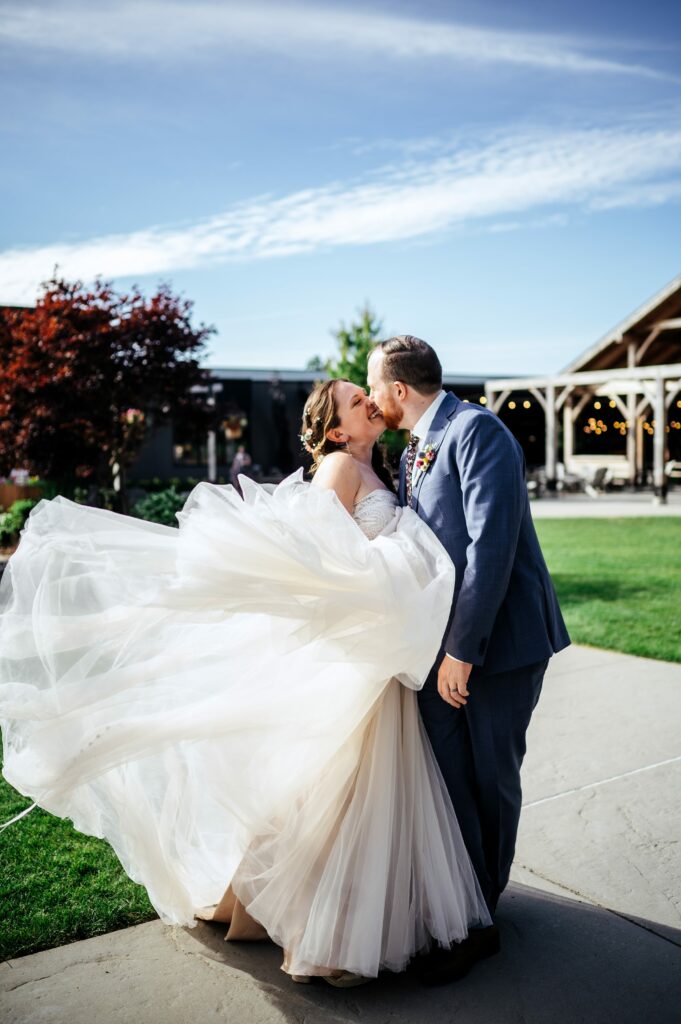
(321,415)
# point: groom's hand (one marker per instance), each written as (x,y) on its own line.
(452,681)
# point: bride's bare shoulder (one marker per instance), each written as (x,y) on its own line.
(339,462)
(339,472)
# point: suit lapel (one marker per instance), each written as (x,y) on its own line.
(435,436)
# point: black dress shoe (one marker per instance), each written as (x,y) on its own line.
(423,963)
(448,965)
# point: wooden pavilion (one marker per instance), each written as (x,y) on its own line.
(636,369)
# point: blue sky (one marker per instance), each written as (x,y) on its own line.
(502,180)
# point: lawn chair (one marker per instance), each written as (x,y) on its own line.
(596,486)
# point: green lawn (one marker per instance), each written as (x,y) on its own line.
(57,885)
(618,582)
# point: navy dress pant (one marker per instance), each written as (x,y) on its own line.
(480,748)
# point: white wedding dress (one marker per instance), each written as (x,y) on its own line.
(234,703)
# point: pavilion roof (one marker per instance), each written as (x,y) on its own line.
(658,319)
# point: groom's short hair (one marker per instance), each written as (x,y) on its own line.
(412,361)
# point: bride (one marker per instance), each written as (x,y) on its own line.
(232,704)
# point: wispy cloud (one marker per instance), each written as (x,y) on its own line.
(654,193)
(517,176)
(168,29)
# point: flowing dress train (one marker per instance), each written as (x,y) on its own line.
(232,704)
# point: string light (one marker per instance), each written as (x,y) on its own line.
(595,426)
(483,400)
(597,405)
(612,404)
(511,405)
(526,404)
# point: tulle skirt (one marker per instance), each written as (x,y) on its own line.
(234,703)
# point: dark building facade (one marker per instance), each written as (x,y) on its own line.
(262,410)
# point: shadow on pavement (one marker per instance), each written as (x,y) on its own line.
(561,960)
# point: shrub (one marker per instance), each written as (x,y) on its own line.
(14,519)
(160,507)
(155,484)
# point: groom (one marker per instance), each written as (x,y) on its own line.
(463,472)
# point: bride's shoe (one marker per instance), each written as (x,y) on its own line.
(346,979)
(302,979)
(205,913)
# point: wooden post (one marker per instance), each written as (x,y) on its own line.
(212,457)
(631,420)
(632,431)
(631,439)
(639,448)
(550,416)
(568,434)
(659,441)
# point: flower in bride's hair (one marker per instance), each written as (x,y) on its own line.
(305,440)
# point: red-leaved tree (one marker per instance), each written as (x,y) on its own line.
(86,372)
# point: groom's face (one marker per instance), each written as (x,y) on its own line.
(383,392)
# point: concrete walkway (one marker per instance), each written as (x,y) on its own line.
(578,506)
(591,925)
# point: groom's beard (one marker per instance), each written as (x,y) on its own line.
(392,414)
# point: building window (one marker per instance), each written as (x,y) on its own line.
(190,448)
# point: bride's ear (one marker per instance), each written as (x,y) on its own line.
(337,436)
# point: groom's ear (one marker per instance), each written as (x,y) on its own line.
(400,390)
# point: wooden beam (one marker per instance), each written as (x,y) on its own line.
(590,377)
(495,403)
(669,325)
(620,405)
(580,405)
(645,345)
(540,398)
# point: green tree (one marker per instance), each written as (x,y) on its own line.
(316,363)
(355,343)
(86,373)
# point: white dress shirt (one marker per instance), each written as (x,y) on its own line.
(424,423)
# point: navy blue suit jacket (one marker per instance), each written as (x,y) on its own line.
(473,496)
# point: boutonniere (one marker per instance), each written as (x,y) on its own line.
(425,459)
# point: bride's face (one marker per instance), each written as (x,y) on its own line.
(360,419)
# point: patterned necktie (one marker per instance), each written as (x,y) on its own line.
(411,458)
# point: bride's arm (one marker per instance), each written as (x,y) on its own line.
(338,472)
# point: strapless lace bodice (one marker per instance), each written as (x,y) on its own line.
(373,512)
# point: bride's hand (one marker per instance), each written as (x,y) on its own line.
(452,681)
